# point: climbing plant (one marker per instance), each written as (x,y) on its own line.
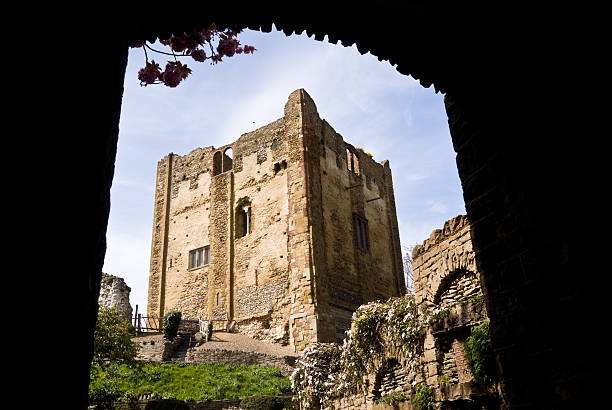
(479,353)
(327,370)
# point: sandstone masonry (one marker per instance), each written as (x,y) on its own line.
(450,299)
(275,231)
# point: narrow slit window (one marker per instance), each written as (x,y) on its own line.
(361,232)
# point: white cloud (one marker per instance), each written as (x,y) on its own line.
(365,100)
(438,207)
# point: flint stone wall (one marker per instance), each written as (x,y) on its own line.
(115,293)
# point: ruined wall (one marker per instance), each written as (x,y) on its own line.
(303,321)
(447,289)
(444,267)
(291,278)
(447,286)
(352,185)
(188,215)
(115,293)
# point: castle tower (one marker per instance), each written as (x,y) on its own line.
(275,231)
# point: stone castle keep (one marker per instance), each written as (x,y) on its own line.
(286,231)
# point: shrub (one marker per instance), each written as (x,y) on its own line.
(172,320)
(210,331)
(424,398)
(268,403)
(113,340)
(102,397)
(479,353)
(392,398)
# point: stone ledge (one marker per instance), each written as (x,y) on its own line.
(461,315)
(283,363)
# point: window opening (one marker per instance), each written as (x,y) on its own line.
(199,257)
(361,232)
(243,220)
(217,163)
(228,156)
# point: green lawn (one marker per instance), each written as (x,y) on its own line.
(197,382)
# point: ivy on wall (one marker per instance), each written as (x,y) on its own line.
(328,370)
(479,353)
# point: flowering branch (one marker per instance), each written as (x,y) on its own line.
(190,45)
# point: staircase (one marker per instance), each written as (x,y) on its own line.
(187,341)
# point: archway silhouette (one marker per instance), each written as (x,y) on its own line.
(514,177)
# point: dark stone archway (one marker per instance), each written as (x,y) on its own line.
(498,71)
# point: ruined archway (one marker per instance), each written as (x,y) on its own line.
(513,175)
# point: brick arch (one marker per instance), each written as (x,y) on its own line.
(514,175)
(227,160)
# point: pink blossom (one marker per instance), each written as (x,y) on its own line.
(198,55)
(174,73)
(227,46)
(149,73)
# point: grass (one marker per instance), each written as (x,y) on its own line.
(189,382)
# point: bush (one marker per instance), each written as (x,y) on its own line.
(393,398)
(172,321)
(268,403)
(479,353)
(113,340)
(424,398)
(210,331)
(102,397)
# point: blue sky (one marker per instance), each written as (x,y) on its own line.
(367,101)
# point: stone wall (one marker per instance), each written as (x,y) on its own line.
(290,279)
(284,364)
(450,301)
(444,267)
(115,293)
(149,403)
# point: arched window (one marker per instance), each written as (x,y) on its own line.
(244,221)
(352,161)
(228,156)
(217,163)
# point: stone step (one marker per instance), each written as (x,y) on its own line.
(187,342)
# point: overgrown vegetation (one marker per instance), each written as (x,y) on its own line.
(424,398)
(172,320)
(181,381)
(327,370)
(395,397)
(479,353)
